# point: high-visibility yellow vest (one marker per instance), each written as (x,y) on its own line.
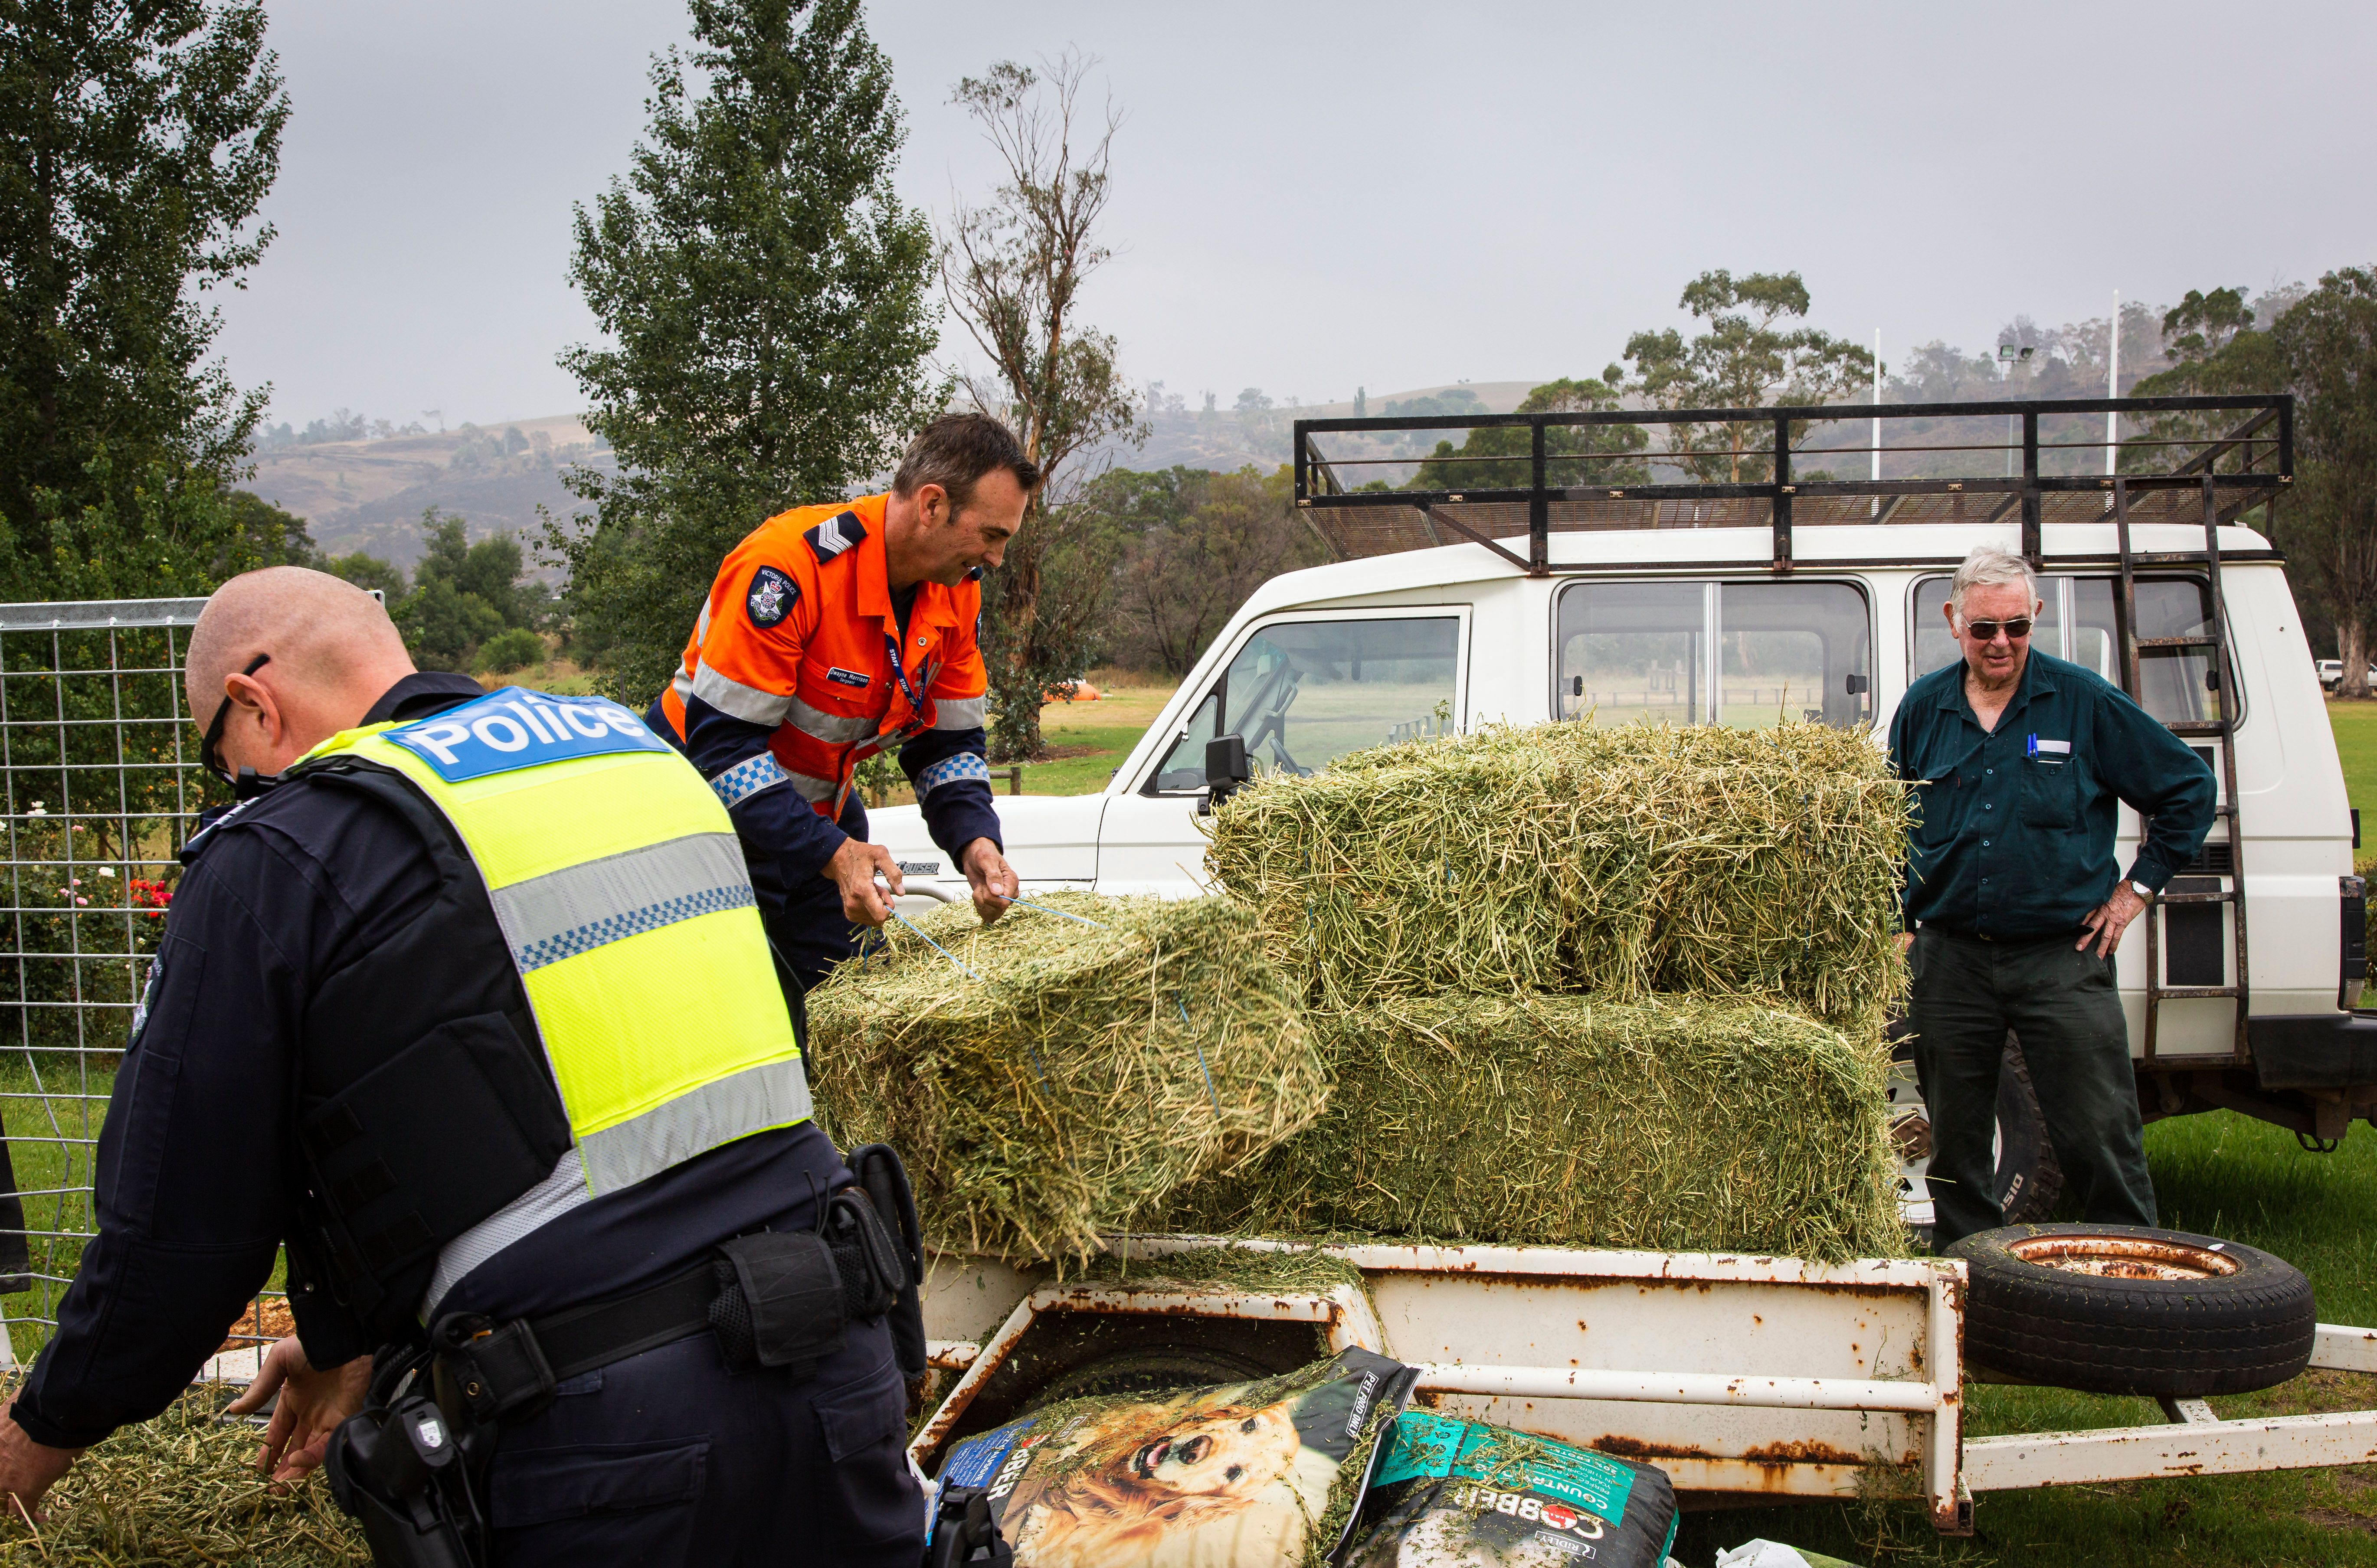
(621,890)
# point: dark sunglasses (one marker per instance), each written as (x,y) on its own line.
(1987,631)
(209,757)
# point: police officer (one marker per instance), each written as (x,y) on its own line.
(836,633)
(419,1014)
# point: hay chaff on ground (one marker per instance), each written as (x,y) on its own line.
(182,1492)
(1622,861)
(1049,1078)
(1674,1124)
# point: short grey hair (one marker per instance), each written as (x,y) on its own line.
(1986,567)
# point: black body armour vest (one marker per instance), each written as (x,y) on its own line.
(423,1100)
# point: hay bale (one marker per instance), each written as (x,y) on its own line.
(1676,1124)
(1079,1074)
(1563,857)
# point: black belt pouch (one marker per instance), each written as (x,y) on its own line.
(792,1295)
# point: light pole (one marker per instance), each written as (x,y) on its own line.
(2008,357)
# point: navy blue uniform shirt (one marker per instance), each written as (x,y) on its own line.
(2014,829)
(194,1168)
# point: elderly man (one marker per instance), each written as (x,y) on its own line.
(2012,906)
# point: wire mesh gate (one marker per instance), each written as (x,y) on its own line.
(99,788)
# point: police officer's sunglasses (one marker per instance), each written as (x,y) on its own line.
(1987,631)
(209,758)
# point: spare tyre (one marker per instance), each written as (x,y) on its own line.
(2121,1309)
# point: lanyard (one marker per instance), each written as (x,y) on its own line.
(900,673)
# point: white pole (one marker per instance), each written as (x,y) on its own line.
(1875,509)
(2113,385)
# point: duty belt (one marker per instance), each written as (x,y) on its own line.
(776,1298)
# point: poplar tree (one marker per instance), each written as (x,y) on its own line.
(766,299)
(137,139)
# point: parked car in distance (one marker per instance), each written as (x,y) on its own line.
(2331,674)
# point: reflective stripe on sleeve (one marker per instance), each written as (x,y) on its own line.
(960,712)
(813,788)
(831,728)
(747,703)
(950,770)
(774,1093)
(582,907)
(747,778)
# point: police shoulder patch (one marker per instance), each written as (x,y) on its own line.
(771,598)
(835,536)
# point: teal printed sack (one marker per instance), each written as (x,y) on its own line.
(1450,1493)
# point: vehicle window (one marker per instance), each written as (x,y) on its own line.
(1304,693)
(1184,766)
(2077,624)
(1749,654)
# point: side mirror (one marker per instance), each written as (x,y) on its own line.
(1226,771)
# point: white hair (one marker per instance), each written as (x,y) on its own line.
(1986,567)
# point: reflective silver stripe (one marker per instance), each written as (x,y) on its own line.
(960,712)
(540,1205)
(683,684)
(831,728)
(582,907)
(774,1094)
(746,702)
(813,788)
(701,627)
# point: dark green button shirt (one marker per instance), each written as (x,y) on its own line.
(2013,830)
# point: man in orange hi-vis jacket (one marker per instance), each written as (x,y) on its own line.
(834,632)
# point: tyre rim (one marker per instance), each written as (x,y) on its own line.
(2125,1257)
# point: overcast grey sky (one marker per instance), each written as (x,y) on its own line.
(1311,196)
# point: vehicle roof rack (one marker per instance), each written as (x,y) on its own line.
(1513,494)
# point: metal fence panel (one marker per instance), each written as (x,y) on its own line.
(99,788)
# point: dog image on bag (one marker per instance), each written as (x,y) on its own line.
(1210,1486)
(1228,1476)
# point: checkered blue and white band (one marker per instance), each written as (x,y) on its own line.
(747,778)
(950,770)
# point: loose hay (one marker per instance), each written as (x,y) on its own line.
(1564,857)
(1678,1124)
(1080,1073)
(183,1489)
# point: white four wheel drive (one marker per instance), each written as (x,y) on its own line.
(1825,607)
(1562,585)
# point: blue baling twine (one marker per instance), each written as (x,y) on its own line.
(936,947)
(1044,909)
(1201,1056)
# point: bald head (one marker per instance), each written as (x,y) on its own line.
(332,651)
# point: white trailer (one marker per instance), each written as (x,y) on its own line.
(1742,1377)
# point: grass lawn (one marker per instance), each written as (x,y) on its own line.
(1092,738)
(2356,747)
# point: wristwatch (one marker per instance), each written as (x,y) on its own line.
(2143,891)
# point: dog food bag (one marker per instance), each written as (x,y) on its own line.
(1450,1493)
(1235,1476)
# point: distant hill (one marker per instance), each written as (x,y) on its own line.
(370,495)
(1227,438)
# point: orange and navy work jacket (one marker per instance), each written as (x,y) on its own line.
(798,669)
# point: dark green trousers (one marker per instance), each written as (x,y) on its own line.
(2063,1005)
